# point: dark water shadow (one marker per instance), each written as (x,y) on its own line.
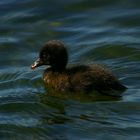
(94,96)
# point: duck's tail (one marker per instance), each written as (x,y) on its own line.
(119,86)
(116,89)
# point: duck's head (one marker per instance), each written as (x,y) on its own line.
(53,54)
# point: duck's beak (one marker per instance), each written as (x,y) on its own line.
(37,63)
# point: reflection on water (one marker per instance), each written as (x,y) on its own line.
(104,32)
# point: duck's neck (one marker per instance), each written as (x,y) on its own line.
(58,69)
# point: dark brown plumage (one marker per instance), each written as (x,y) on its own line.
(80,78)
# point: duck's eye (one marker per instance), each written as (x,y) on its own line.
(44,55)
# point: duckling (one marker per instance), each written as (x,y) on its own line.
(78,78)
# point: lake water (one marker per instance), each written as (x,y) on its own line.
(94,31)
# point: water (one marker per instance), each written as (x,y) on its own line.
(106,32)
